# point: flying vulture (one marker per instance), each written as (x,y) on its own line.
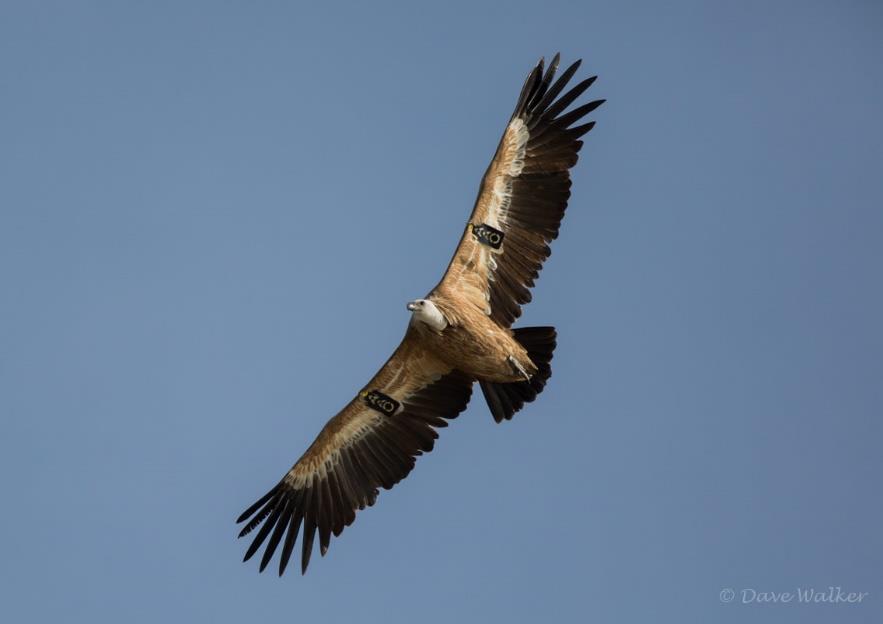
(460,333)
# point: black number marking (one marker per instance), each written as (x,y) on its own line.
(487,235)
(384,404)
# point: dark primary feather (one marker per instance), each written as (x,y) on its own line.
(545,82)
(382,458)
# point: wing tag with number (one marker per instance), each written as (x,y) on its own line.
(383,403)
(487,235)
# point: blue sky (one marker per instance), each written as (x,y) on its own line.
(212,215)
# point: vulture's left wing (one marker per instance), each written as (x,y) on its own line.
(371,443)
(522,197)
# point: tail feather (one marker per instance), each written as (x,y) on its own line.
(504,399)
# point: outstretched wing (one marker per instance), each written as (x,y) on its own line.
(371,443)
(522,197)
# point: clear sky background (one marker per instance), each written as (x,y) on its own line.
(212,215)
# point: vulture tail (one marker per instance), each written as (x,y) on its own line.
(504,399)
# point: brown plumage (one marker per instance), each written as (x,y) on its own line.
(460,333)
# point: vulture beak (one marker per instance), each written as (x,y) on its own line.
(412,306)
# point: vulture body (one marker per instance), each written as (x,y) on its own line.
(460,333)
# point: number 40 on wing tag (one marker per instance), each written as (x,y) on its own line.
(487,235)
(384,404)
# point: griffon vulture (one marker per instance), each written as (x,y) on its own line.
(458,334)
